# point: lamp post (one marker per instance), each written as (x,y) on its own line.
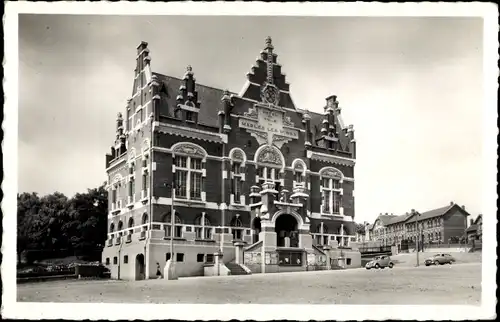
(170,273)
(418,237)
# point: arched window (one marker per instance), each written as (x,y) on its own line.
(189,171)
(236,227)
(270,163)
(299,172)
(331,190)
(167,219)
(131,222)
(202,227)
(112,228)
(144,218)
(238,159)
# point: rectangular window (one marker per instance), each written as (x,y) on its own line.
(107,261)
(115,260)
(125,259)
(188,228)
(196,164)
(290,259)
(198,232)
(236,168)
(178,231)
(132,188)
(181,162)
(326,201)
(210,258)
(237,189)
(298,177)
(180,257)
(189,116)
(167,256)
(181,181)
(113,196)
(208,233)
(200,258)
(325,182)
(336,184)
(196,185)
(348,261)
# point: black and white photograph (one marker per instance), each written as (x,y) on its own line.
(304,161)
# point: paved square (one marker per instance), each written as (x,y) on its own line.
(449,284)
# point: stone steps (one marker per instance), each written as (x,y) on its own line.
(236,269)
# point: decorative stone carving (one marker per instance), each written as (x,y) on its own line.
(331,173)
(237,156)
(252,113)
(279,140)
(269,155)
(189,149)
(287,121)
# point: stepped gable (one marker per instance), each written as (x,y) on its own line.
(266,71)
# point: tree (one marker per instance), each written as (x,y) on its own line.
(360,228)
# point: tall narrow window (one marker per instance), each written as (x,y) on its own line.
(331,198)
(236,182)
(188,176)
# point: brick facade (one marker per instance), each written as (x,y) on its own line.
(176,128)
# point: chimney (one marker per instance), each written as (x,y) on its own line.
(471,222)
(463,207)
(451,203)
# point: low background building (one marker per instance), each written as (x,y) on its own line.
(444,225)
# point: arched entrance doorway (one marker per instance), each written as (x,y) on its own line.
(256,229)
(286,231)
(139,267)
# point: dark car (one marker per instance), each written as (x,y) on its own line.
(380,262)
(439,259)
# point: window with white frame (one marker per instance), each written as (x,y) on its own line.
(236,182)
(269,174)
(145,174)
(299,173)
(188,177)
(202,227)
(177,226)
(131,182)
(331,196)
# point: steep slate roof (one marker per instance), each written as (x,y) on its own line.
(471,228)
(209,97)
(399,219)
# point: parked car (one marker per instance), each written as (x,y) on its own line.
(439,259)
(380,262)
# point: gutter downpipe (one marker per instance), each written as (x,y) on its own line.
(223,206)
(146,266)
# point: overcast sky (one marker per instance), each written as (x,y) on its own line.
(412,87)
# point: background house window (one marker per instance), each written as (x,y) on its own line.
(168,256)
(180,257)
(107,260)
(210,258)
(125,259)
(200,258)
(115,260)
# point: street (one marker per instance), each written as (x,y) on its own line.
(448,284)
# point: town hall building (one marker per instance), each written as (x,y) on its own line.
(253,182)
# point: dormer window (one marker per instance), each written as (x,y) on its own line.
(189,116)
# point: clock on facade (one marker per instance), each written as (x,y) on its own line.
(270,94)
